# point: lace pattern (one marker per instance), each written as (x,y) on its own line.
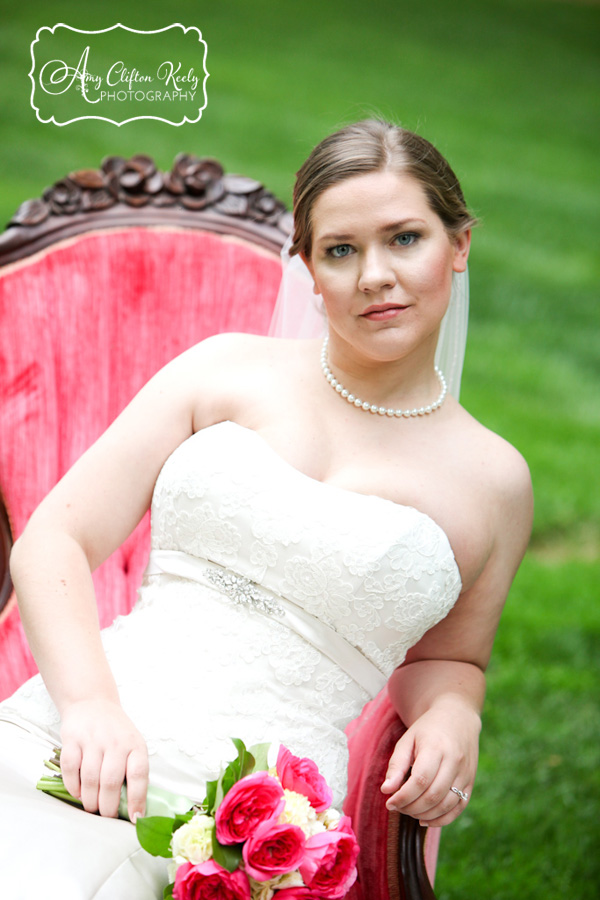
(197,664)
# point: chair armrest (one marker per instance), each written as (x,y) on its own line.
(391,863)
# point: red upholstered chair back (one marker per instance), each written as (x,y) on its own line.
(84,323)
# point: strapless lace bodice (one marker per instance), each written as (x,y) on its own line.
(200,660)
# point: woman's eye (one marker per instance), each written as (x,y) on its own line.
(406,239)
(339,251)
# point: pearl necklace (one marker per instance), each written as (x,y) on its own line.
(372,407)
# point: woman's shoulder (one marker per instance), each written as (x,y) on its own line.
(229,373)
(494,460)
(490,508)
(238,349)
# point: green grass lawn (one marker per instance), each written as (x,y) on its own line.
(508,89)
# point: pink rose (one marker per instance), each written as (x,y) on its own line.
(273,850)
(303,776)
(329,865)
(251,801)
(209,881)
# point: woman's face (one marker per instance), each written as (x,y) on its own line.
(383,262)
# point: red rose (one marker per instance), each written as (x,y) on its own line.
(209,881)
(329,865)
(303,776)
(273,850)
(251,801)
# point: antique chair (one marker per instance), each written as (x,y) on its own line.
(103,280)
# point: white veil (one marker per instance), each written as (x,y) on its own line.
(299,313)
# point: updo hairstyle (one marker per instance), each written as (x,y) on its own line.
(370,146)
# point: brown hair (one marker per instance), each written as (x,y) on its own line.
(370,146)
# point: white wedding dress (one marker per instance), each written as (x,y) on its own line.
(274,606)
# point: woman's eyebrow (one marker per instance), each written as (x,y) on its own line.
(392,226)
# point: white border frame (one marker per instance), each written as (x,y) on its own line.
(53,121)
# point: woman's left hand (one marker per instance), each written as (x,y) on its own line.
(438,752)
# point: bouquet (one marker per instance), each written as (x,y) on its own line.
(261,834)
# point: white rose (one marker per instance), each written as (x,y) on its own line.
(193,841)
(298,811)
(330,818)
(265,890)
(292,879)
(173,865)
(262,890)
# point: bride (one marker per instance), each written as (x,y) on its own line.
(325,517)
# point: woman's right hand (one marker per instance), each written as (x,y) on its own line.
(101,747)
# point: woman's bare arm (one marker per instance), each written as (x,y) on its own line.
(80,523)
(438,692)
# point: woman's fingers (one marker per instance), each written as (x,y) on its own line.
(101,749)
(137,782)
(427,794)
(424,771)
(399,765)
(70,764)
(112,775)
(90,779)
(98,780)
(452,805)
(443,756)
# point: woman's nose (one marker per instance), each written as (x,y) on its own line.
(376,270)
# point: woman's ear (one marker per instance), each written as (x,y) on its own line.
(462,245)
(307,262)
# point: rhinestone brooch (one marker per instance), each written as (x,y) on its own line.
(244,592)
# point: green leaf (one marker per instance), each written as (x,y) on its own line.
(245,758)
(211,796)
(179,820)
(228,856)
(168,891)
(239,745)
(219,792)
(230,776)
(154,834)
(260,752)
(237,768)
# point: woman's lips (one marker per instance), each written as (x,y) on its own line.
(381,314)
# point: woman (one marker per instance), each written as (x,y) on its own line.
(395,535)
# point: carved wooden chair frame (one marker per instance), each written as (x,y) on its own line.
(196,193)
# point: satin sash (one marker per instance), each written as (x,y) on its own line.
(242,590)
